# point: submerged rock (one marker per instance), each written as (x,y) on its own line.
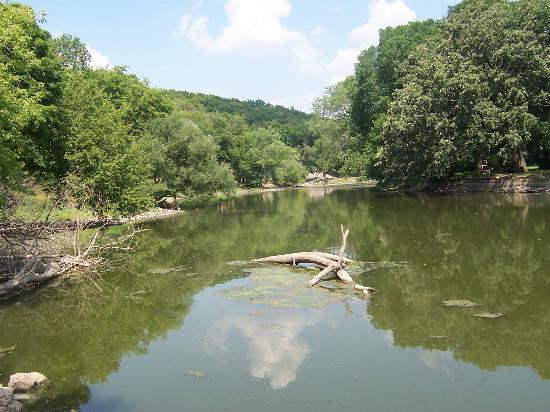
(5,351)
(462,303)
(489,315)
(195,373)
(22,382)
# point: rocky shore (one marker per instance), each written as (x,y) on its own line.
(502,183)
(22,387)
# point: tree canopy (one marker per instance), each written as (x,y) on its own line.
(435,98)
(116,142)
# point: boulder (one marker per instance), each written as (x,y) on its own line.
(5,396)
(167,203)
(7,403)
(21,382)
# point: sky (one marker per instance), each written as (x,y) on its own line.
(281,51)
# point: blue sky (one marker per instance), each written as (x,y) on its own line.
(282,51)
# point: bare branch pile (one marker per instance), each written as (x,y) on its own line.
(329,262)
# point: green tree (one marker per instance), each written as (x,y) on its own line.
(137,102)
(338,148)
(185,159)
(12,110)
(260,156)
(108,169)
(30,88)
(479,89)
(223,127)
(73,53)
(378,74)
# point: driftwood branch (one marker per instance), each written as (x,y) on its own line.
(32,263)
(330,263)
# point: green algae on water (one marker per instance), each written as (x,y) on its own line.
(282,286)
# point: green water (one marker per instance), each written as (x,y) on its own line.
(161,334)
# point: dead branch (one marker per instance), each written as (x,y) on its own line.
(331,263)
(26,258)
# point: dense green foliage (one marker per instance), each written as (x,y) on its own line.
(30,88)
(108,171)
(480,90)
(260,155)
(73,53)
(185,160)
(118,144)
(436,98)
(289,123)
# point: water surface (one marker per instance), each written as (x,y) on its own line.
(161,334)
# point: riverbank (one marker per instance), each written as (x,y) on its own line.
(533,182)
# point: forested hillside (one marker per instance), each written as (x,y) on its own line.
(432,99)
(290,123)
(113,143)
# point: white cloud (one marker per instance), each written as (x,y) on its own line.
(343,64)
(307,57)
(381,14)
(252,25)
(249,23)
(98,60)
(275,351)
(317,31)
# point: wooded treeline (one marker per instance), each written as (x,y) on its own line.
(435,98)
(113,143)
(432,99)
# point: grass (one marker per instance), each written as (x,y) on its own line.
(37,205)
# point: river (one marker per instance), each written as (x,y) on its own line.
(164,332)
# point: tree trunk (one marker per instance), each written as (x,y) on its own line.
(519,161)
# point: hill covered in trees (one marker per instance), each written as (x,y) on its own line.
(289,122)
(113,143)
(432,99)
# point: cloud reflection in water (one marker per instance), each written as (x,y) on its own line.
(274,349)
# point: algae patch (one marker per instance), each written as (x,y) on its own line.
(461,303)
(489,315)
(285,287)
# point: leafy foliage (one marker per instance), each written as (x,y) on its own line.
(30,88)
(185,160)
(259,155)
(435,98)
(476,91)
(289,123)
(72,52)
(137,102)
(338,148)
(108,170)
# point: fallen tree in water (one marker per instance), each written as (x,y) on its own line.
(328,262)
(34,253)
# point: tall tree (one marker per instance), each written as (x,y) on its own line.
(480,89)
(185,160)
(108,169)
(73,53)
(31,79)
(137,102)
